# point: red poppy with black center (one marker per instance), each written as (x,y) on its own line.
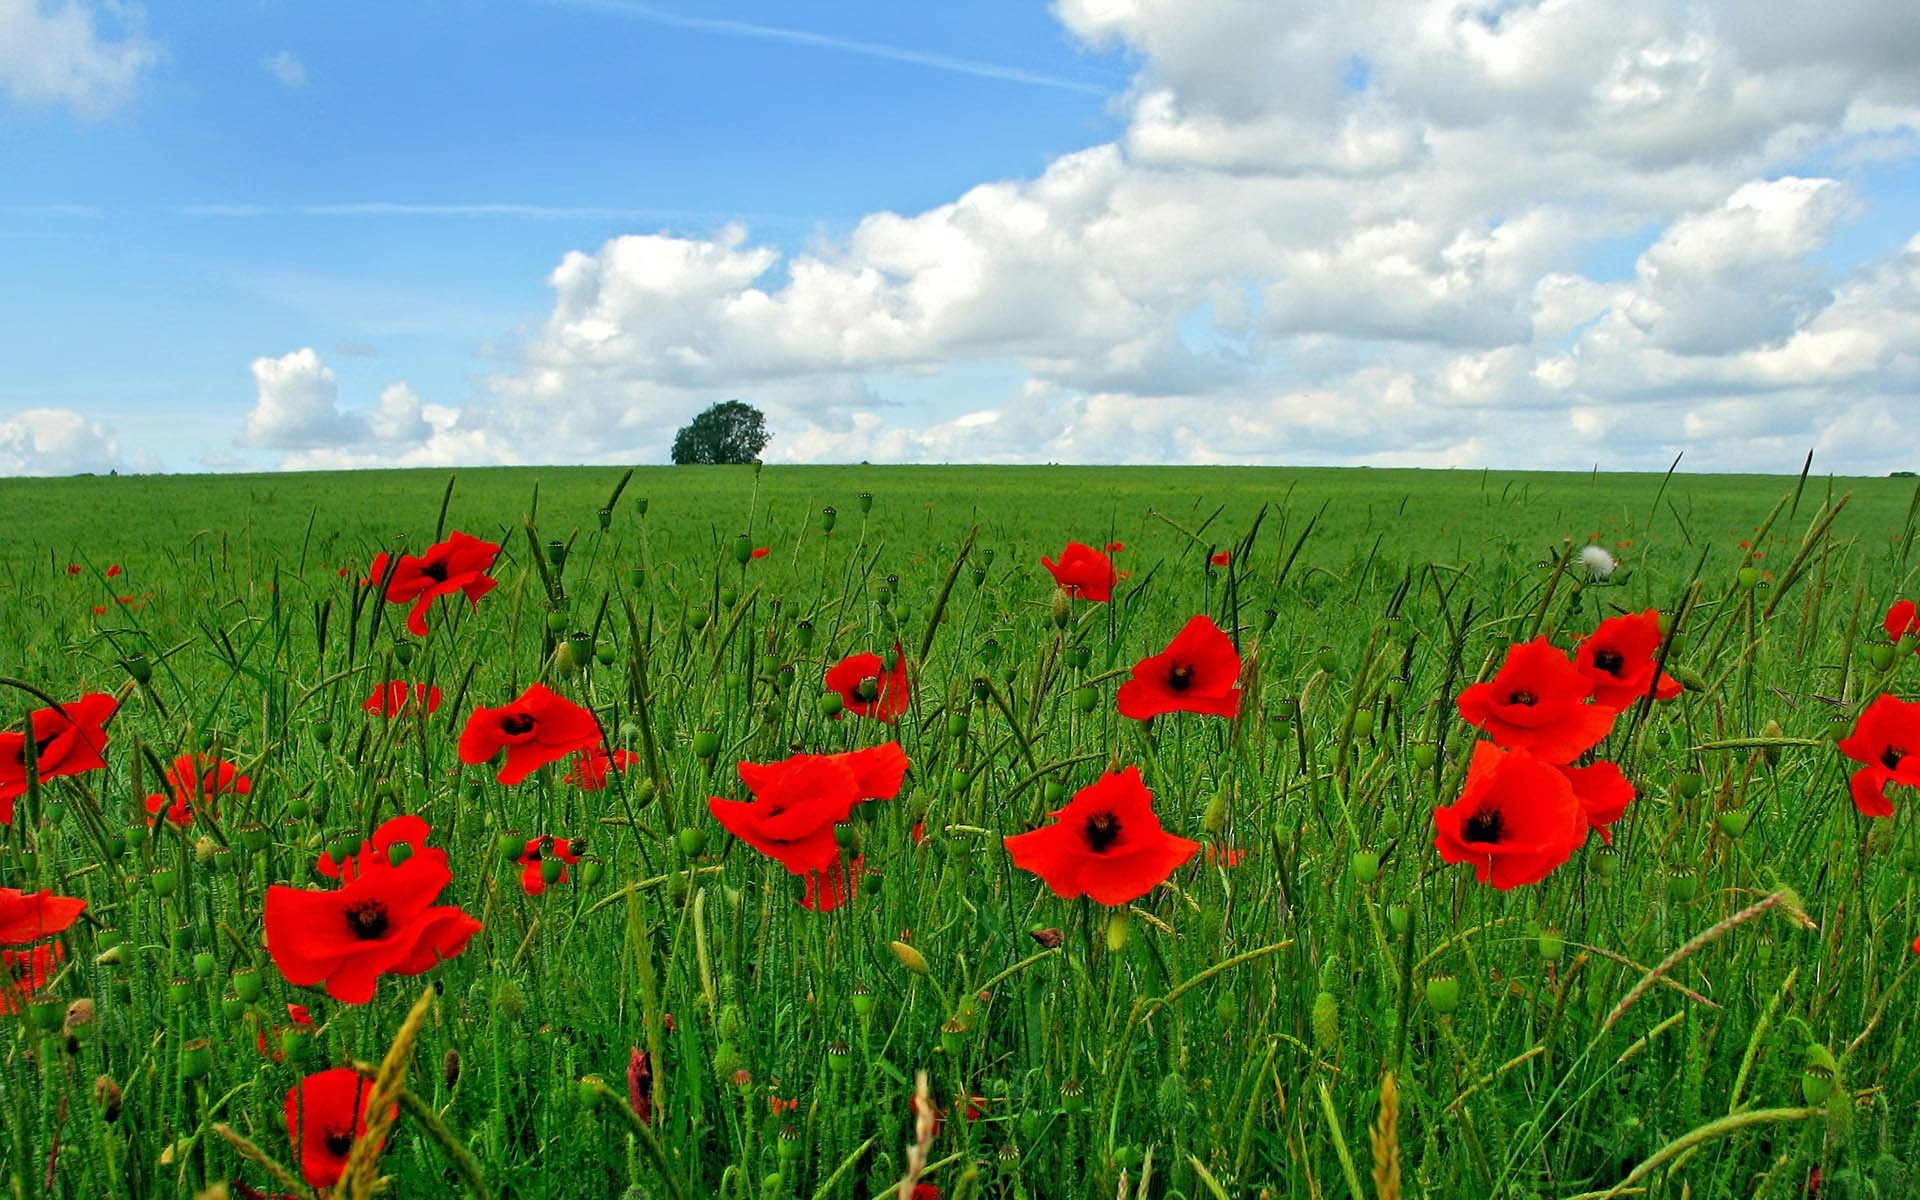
(24,972)
(1603,791)
(1620,660)
(1886,740)
(397,697)
(29,916)
(326,1113)
(193,783)
(459,564)
(1197,672)
(67,740)
(591,767)
(1082,572)
(868,687)
(539,727)
(1106,843)
(1517,818)
(1538,702)
(1222,558)
(382,921)
(533,859)
(1903,620)
(797,802)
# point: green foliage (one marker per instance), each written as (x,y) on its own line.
(729,433)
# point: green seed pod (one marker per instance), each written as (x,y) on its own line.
(165,882)
(636,578)
(706,744)
(1682,885)
(46,1012)
(1399,919)
(605,517)
(1733,822)
(589,1091)
(957,724)
(604,654)
(1056,793)
(830,704)
(1425,755)
(232,1007)
(989,653)
(551,869)
(557,622)
(1396,690)
(1119,930)
(828,516)
(403,652)
(249,984)
(1747,578)
(140,668)
(205,964)
(1443,994)
(1688,784)
(196,1059)
(180,990)
(1170,1099)
(697,618)
(1552,944)
(866,503)
(1327,661)
(1818,1074)
(742,550)
(863,1001)
(839,1057)
(729,597)
(1881,656)
(1366,867)
(1086,699)
(1363,723)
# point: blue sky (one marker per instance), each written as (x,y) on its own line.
(252,235)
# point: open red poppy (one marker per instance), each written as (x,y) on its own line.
(28,916)
(1619,660)
(1538,702)
(1886,739)
(459,564)
(592,766)
(396,697)
(539,727)
(1195,673)
(193,783)
(24,972)
(1903,619)
(797,802)
(1517,818)
(382,921)
(1082,572)
(326,1113)
(67,740)
(1603,791)
(532,860)
(868,688)
(1222,558)
(1106,843)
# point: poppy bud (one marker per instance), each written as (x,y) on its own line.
(866,503)
(402,652)
(1747,578)
(1443,994)
(742,549)
(1215,818)
(1326,1022)
(1771,753)
(557,622)
(107,1098)
(910,958)
(557,552)
(79,1018)
(204,964)
(1062,607)
(140,668)
(1399,919)
(1552,944)
(827,517)
(196,1059)
(1818,1074)
(1119,929)
(1425,755)
(1171,1097)
(1086,699)
(706,744)
(1366,866)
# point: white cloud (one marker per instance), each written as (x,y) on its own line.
(297,409)
(287,68)
(53,52)
(55,441)
(297,405)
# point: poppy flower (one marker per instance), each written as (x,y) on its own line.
(1886,739)
(326,1114)
(591,766)
(193,782)
(381,921)
(1903,619)
(640,1084)
(837,883)
(797,802)
(1517,818)
(868,688)
(1082,572)
(1619,660)
(113,571)
(761,551)
(24,972)
(539,727)
(532,861)
(1222,558)
(1603,792)
(1538,702)
(1195,673)
(73,568)
(298,1017)
(1115,547)
(67,740)
(27,916)
(459,564)
(395,697)
(1106,843)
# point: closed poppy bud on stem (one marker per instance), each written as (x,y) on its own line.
(910,958)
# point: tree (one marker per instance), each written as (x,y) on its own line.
(731,432)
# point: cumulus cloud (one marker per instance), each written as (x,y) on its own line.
(297,405)
(53,52)
(55,441)
(297,409)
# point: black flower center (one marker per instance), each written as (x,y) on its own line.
(1610,660)
(1484,827)
(367,919)
(1891,756)
(1102,830)
(1522,696)
(1180,677)
(517,724)
(435,570)
(339,1142)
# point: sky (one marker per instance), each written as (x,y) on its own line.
(1555,234)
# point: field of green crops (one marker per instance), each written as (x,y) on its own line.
(651,988)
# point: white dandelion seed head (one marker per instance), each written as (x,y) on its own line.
(1597,561)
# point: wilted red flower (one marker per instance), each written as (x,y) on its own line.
(396,696)
(1082,572)
(591,766)
(539,727)
(73,568)
(640,1084)
(67,740)
(1517,818)
(1538,702)
(459,564)
(24,972)
(797,802)
(28,916)
(1619,660)
(1902,619)
(1886,739)
(326,1114)
(1603,792)
(193,782)
(1195,673)
(533,876)
(1106,843)
(381,921)
(1222,558)
(868,688)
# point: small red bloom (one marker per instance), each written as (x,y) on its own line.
(1082,572)
(1517,818)
(1115,547)
(1538,703)
(66,741)
(326,1114)
(1222,558)
(24,972)
(1886,739)
(28,916)
(193,782)
(533,874)
(591,766)
(1902,619)
(797,802)
(1603,792)
(867,688)
(382,921)
(640,1084)
(113,570)
(1619,660)
(1195,673)
(539,727)
(395,697)
(1106,843)
(73,568)
(762,551)
(459,564)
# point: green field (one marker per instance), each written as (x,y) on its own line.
(1718,1004)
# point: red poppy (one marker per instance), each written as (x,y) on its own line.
(1082,572)
(1517,818)
(1619,660)
(1195,673)
(395,697)
(297,1018)
(113,570)
(1887,739)
(591,766)
(1115,547)
(640,1083)
(326,1114)
(868,688)
(381,921)
(925,1191)
(459,564)
(27,916)
(193,782)
(761,551)
(1603,792)
(67,740)
(1222,558)
(73,568)
(24,972)
(539,727)
(1106,843)
(1538,702)
(797,802)
(838,883)
(533,877)
(1903,619)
